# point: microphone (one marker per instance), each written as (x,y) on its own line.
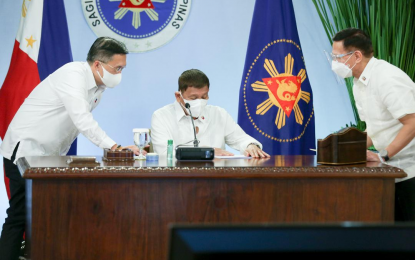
(195,141)
(196,152)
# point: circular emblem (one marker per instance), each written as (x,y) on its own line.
(277,92)
(143,25)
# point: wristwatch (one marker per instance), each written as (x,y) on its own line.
(384,155)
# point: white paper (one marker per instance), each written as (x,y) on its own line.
(232,157)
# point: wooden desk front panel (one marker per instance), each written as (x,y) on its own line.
(128,218)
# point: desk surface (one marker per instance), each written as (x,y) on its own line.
(121,211)
(274,167)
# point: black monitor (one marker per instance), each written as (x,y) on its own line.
(350,241)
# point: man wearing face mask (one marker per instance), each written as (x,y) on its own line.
(385,100)
(50,119)
(214,126)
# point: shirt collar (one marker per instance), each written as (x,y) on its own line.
(180,113)
(367,72)
(90,77)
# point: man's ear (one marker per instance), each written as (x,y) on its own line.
(359,56)
(95,65)
(177,96)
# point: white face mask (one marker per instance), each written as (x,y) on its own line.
(342,69)
(196,106)
(110,80)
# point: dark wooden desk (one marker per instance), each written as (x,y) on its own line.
(122,210)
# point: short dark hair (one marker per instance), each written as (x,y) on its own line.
(104,48)
(355,38)
(193,78)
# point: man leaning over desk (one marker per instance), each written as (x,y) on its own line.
(385,100)
(214,126)
(49,120)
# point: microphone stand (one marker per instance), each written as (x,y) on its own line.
(195,141)
(196,152)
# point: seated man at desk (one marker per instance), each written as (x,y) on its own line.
(214,126)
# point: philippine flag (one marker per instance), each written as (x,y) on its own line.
(42,46)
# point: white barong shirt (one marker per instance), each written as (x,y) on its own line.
(383,95)
(55,112)
(216,128)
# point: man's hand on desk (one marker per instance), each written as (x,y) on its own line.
(220,152)
(133,148)
(256,152)
(372,157)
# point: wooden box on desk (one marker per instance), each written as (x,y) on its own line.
(348,146)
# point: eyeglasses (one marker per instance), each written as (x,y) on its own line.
(339,56)
(117,69)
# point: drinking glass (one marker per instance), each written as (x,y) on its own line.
(141,139)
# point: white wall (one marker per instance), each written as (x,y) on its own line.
(10,12)
(214,40)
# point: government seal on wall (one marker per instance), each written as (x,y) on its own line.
(143,25)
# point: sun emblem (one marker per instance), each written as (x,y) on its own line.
(284,91)
(137,6)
